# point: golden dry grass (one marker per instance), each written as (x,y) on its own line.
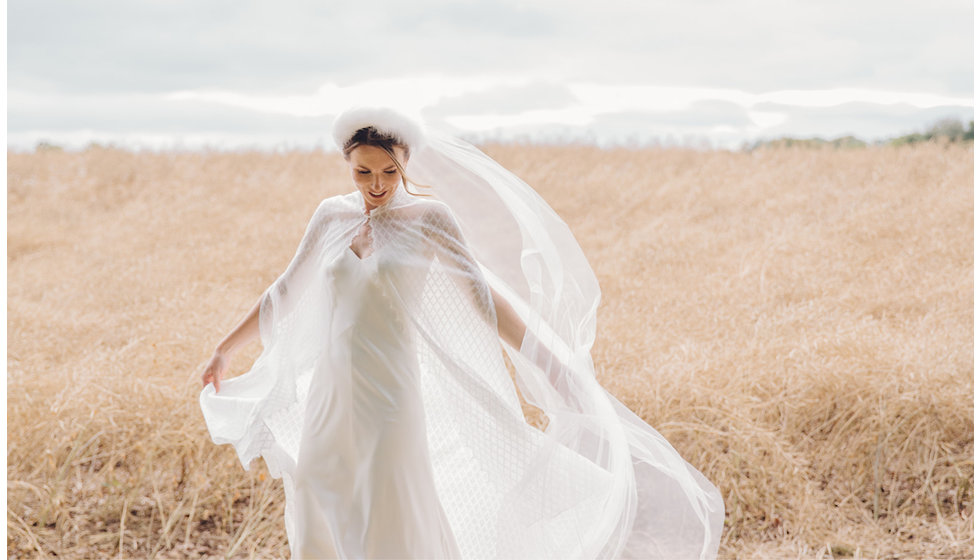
(799,323)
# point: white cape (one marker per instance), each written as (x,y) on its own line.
(383,400)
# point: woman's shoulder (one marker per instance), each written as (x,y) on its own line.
(339,203)
(438,215)
(432,208)
(329,210)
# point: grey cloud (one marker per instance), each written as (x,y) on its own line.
(484,17)
(162,46)
(119,45)
(158,46)
(773,44)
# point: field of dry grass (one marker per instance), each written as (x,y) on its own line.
(799,323)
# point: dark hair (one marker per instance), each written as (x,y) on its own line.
(370,136)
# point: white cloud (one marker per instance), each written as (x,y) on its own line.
(763,120)
(603,112)
(407,94)
(415,94)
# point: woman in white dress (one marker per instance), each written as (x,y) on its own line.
(382,397)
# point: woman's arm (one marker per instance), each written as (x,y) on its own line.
(246,331)
(509,324)
(510,327)
(295,274)
(441,226)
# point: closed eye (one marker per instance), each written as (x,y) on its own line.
(368,172)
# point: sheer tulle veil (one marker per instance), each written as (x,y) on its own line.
(648,501)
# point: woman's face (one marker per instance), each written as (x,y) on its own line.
(375,174)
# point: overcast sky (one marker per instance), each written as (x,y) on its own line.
(233,73)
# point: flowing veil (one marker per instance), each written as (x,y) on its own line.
(653,503)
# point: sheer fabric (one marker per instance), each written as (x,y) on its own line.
(382,398)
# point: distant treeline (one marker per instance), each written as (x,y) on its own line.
(946,130)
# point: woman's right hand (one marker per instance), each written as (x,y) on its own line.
(215,371)
(246,331)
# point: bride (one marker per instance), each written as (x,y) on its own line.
(382,397)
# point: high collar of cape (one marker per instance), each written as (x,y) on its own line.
(399,199)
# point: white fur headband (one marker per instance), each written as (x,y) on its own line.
(384,120)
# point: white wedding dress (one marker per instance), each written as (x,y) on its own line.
(383,400)
(363,474)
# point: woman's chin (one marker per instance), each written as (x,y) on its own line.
(375,201)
